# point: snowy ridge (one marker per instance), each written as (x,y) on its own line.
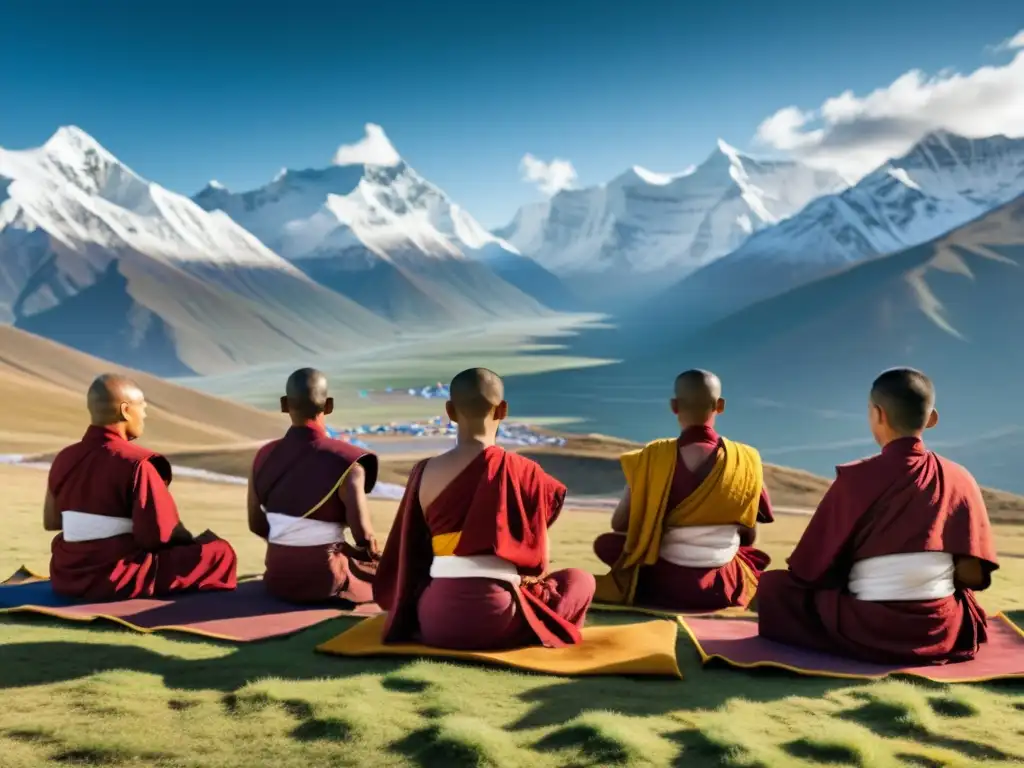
(943,182)
(643,222)
(91,252)
(77,192)
(370,226)
(369,196)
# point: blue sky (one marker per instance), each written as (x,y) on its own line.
(184,92)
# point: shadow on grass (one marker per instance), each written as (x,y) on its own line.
(891,720)
(702,688)
(291,658)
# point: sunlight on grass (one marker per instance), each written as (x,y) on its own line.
(97,695)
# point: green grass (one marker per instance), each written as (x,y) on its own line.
(511,350)
(110,697)
(99,695)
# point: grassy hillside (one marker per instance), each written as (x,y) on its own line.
(100,696)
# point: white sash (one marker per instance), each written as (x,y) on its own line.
(700,546)
(909,576)
(85,526)
(474,567)
(301,531)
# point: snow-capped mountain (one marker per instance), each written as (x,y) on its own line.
(950,307)
(943,182)
(95,256)
(372,228)
(642,227)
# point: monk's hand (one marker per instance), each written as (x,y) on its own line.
(369,548)
(536,585)
(373,547)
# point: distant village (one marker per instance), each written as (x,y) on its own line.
(509,433)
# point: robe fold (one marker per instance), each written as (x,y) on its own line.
(299,477)
(727,489)
(108,478)
(501,504)
(904,500)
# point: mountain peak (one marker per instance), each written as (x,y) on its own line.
(726,149)
(214,184)
(71,138)
(373,149)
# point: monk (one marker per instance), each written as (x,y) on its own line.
(466,564)
(886,569)
(304,491)
(120,536)
(683,532)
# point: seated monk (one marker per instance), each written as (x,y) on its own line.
(465,565)
(683,532)
(120,534)
(885,570)
(304,490)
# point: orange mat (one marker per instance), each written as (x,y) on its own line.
(647,648)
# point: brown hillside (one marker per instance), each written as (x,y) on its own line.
(43,384)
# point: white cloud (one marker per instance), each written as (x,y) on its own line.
(373,149)
(854,135)
(1012,43)
(549,177)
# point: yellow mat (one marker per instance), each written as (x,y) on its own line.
(733,612)
(647,648)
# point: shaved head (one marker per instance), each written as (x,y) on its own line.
(476,392)
(907,397)
(107,394)
(697,394)
(306,394)
(117,401)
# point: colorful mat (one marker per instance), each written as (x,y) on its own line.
(646,648)
(246,615)
(737,643)
(733,612)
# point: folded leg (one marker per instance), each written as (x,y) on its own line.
(207,564)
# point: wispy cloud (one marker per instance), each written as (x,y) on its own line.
(373,149)
(854,135)
(1011,43)
(550,177)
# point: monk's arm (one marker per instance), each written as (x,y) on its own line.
(748,536)
(257,520)
(51,515)
(155,519)
(815,556)
(620,517)
(971,573)
(357,510)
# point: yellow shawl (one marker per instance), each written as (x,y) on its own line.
(730,494)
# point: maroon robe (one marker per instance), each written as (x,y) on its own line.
(502,504)
(291,476)
(904,500)
(683,588)
(107,475)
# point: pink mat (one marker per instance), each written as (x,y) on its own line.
(245,615)
(736,642)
